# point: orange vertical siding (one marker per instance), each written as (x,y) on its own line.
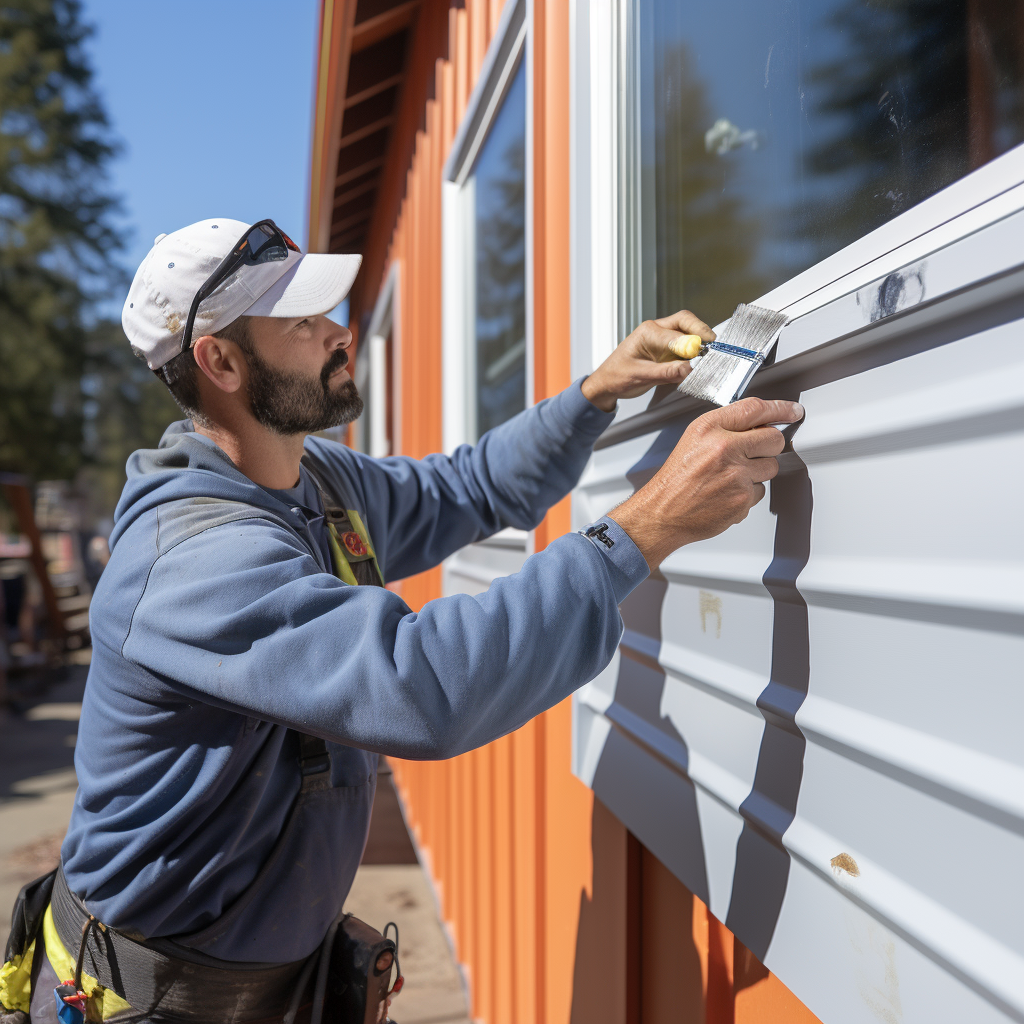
(336,17)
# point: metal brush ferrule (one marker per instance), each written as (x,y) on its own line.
(734,350)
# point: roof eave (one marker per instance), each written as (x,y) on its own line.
(337,18)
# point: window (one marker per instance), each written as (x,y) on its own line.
(497,186)
(776,133)
(484,209)
(486,343)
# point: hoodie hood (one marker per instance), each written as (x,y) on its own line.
(186,465)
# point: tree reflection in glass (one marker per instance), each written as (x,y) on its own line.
(707,232)
(777,132)
(498,182)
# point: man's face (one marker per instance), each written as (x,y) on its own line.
(297,382)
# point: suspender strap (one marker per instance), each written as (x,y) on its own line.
(355,560)
(314,763)
(314,759)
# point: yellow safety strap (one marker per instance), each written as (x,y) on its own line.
(102,1002)
(342,569)
(16,981)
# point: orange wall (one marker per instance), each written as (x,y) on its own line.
(557,913)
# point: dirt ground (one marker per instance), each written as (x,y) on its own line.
(37,790)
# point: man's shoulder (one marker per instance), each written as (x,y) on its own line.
(160,529)
(178,521)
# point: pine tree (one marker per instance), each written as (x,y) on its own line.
(125,408)
(56,239)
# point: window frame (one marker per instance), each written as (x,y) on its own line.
(510,45)
(373,370)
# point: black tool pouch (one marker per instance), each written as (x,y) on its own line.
(363,963)
(26,926)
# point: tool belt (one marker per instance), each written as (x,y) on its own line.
(345,981)
(182,984)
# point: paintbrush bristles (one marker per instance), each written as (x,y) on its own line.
(722,377)
(753,327)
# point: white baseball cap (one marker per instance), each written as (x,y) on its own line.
(179,264)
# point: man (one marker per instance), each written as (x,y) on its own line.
(243,608)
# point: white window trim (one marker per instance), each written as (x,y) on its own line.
(605,300)
(510,44)
(595,171)
(373,373)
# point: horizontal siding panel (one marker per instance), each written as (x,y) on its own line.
(814,718)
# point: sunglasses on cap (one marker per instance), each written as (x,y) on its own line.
(264,242)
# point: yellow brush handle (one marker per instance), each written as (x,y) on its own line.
(687,346)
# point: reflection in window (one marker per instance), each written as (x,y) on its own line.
(776,132)
(498,190)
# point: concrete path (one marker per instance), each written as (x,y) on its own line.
(37,790)
(391,886)
(37,784)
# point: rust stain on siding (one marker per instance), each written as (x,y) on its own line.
(711,605)
(844,862)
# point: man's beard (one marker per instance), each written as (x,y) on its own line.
(289,403)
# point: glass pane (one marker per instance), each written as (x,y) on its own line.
(499,201)
(775,132)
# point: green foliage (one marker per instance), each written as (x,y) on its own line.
(706,236)
(916,94)
(126,407)
(55,238)
(73,399)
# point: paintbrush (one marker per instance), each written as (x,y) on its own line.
(724,368)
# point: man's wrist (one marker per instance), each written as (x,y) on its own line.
(595,392)
(643,523)
(626,566)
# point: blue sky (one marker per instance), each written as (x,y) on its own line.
(213,103)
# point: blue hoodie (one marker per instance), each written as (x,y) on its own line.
(218,629)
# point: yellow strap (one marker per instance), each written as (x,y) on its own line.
(342,568)
(363,532)
(16,981)
(103,1002)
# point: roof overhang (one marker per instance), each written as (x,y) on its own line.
(362,64)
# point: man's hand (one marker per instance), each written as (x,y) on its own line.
(644,360)
(713,478)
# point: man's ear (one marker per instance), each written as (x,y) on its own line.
(221,360)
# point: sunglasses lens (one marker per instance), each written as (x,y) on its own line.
(266,245)
(259,236)
(272,253)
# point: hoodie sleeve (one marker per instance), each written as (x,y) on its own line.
(421,511)
(239,616)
